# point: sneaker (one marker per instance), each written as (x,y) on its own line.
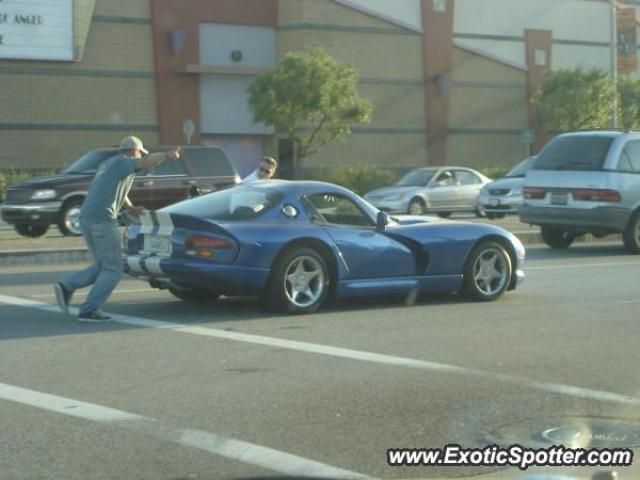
(94,317)
(63,296)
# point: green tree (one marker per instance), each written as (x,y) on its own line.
(629,102)
(311,98)
(575,100)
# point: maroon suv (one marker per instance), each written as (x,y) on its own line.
(33,205)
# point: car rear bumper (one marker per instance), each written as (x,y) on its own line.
(613,218)
(503,204)
(197,274)
(44,213)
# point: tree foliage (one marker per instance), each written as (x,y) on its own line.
(311,98)
(629,102)
(575,100)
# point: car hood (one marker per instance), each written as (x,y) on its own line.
(53,181)
(391,190)
(506,183)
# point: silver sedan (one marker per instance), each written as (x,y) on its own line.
(441,190)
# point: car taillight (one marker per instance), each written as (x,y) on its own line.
(205,245)
(533,192)
(596,195)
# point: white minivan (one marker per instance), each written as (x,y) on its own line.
(585,182)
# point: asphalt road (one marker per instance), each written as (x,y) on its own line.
(229,391)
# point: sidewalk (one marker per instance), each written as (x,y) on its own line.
(54,248)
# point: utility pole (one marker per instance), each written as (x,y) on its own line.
(614,63)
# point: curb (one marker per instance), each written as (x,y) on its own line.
(81,255)
(44,257)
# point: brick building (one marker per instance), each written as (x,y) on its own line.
(449,79)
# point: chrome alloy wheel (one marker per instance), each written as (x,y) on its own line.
(72,220)
(490,272)
(304,281)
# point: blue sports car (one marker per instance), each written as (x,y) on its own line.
(297,242)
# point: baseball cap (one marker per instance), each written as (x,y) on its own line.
(132,143)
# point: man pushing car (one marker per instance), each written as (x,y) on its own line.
(106,197)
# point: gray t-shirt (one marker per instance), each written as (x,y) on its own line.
(109,189)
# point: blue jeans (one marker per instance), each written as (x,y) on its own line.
(103,242)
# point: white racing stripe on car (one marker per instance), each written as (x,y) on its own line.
(135,263)
(359,355)
(165,223)
(152,264)
(245,452)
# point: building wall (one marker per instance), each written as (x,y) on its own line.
(389,61)
(55,111)
(488,111)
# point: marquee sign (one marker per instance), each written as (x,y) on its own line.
(36,29)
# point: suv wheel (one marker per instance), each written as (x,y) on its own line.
(631,235)
(69,221)
(557,237)
(27,230)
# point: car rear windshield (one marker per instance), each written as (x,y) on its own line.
(574,153)
(238,203)
(89,162)
(520,170)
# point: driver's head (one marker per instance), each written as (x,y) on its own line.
(267,168)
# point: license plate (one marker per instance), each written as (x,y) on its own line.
(157,244)
(494,202)
(558,198)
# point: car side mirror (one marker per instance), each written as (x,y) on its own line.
(382,220)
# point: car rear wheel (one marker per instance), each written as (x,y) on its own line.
(631,235)
(69,222)
(557,237)
(487,273)
(416,207)
(195,296)
(299,282)
(27,230)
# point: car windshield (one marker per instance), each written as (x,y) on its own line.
(239,203)
(520,170)
(416,178)
(89,162)
(585,153)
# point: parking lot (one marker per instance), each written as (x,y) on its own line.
(229,390)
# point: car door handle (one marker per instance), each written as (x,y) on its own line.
(147,183)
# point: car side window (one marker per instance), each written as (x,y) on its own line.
(339,210)
(446,179)
(630,159)
(467,178)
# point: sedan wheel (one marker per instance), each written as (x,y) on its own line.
(300,281)
(416,207)
(631,235)
(488,272)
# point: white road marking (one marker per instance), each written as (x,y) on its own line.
(249,453)
(580,265)
(133,290)
(364,356)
